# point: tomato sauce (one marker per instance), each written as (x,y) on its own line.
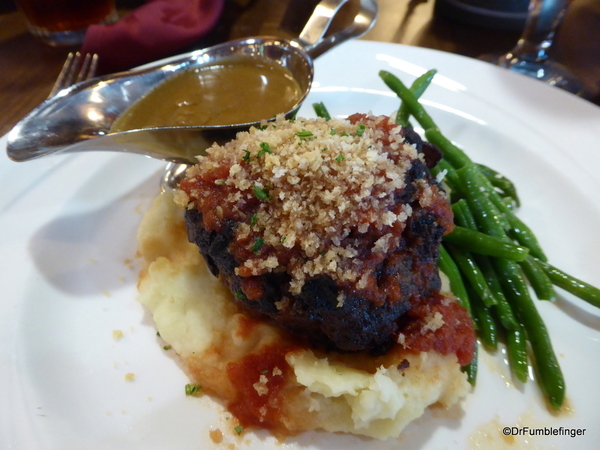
(456,335)
(259,380)
(252,288)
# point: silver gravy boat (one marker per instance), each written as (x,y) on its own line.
(79,118)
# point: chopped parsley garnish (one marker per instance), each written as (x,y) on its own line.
(192,389)
(283,238)
(264,372)
(304,134)
(239,429)
(361,129)
(246,157)
(264,148)
(167,347)
(254,219)
(261,193)
(339,158)
(324,149)
(241,295)
(333,131)
(258,243)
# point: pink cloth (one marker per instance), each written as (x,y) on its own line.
(154,30)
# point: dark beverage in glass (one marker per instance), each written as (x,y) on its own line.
(63,22)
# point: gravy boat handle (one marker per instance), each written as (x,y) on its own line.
(70,125)
(313,36)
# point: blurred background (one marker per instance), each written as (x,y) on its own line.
(29,68)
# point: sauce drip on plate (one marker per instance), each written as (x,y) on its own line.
(228,93)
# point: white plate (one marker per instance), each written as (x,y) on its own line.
(68,273)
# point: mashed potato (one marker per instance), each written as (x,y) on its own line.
(262,374)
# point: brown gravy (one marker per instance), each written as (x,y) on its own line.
(230,92)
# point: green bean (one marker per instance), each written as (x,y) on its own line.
(471,368)
(463,214)
(448,266)
(408,99)
(571,284)
(484,244)
(468,268)
(502,309)
(455,155)
(516,350)
(538,279)
(489,219)
(486,323)
(501,182)
(459,216)
(494,217)
(515,340)
(509,202)
(450,177)
(417,88)
(452,153)
(524,236)
(321,110)
(549,373)
(548,370)
(457,286)
(521,232)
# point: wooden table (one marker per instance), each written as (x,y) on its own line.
(28,68)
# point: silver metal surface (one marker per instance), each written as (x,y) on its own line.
(313,37)
(77,68)
(80,117)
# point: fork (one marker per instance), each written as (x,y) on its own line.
(77,67)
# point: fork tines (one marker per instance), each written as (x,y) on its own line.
(77,67)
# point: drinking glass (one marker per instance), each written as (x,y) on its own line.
(64,22)
(531,54)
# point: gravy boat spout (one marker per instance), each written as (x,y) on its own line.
(79,118)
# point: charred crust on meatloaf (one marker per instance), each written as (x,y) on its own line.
(315,313)
(335,314)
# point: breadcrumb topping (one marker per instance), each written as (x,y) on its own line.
(433,322)
(261,385)
(310,185)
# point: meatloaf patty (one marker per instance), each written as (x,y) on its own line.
(329,228)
